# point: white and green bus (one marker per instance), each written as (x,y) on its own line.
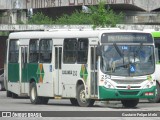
(156,36)
(81,65)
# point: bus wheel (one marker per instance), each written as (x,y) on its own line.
(0,86)
(81,99)
(130,103)
(14,95)
(8,93)
(44,100)
(74,101)
(157,97)
(33,94)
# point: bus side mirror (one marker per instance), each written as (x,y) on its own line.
(99,50)
(156,55)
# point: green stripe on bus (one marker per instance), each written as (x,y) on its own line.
(105,93)
(32,71)
(13,70)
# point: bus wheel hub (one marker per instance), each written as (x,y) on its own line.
(33,94)
(82,96)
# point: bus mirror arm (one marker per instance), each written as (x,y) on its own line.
(99,50)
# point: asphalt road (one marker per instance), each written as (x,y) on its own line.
(61,108)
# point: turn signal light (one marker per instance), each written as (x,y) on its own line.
(149,93)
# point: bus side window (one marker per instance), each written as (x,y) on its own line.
(45,50)
(13,51)
(33,51)
(157,55)
(82,50)
(70,50)
(157,45)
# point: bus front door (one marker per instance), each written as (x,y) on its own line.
(23,69)
(58,71)
(93,73)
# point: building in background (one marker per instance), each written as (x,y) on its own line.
(137,11)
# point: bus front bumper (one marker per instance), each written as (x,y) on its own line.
(117,94)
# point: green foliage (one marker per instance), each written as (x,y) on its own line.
(4,33)
(105,18)
(77,17)
(1,14)
(40,18)
(20,22)
(98,17)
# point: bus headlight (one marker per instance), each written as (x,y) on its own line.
(108,85)
(148,85)
(151,83)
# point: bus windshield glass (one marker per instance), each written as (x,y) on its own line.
(127,60)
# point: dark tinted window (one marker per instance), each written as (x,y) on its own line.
(33,51)
(13,51)
(82,51)
(70,50)
(45,50)
(75,50)
(157,45)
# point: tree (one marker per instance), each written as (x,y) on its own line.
(76,18)
(102,17)
(98,17)
(40,18)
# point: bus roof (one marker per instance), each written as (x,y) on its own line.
(52,34)
(64,33)
(156,34)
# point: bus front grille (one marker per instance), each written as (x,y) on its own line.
(132,87)
(128,93)
(128,81)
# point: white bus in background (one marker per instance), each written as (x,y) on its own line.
(81,65)
(156,36)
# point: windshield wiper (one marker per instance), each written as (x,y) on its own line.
(136,52)
(117,49)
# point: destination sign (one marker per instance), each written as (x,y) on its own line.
(126,38)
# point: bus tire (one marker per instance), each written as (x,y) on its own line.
(130,103)
(8,93)
(44,100)
(74,101)
(157,97)
(33,94)
(1,88)
(14,95)
(82,101)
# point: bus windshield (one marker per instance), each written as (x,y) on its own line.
(127,60)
